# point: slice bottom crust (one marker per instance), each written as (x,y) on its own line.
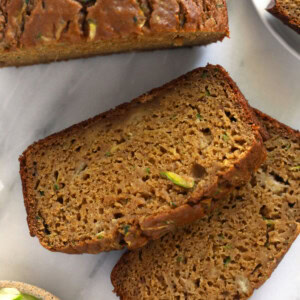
(235,249)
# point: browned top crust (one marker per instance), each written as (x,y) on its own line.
(26,23)
(141,214)
(287,11)
(233,250)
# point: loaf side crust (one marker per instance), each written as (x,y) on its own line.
(33,32)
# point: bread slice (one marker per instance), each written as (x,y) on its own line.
(288,11)
(135,172)
(36,31)
(234,250)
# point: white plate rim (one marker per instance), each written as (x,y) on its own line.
(260,6)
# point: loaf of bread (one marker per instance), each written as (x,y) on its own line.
(234,250)
(134,173)
(288,11)
(41,31)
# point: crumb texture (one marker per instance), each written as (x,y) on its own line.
(234,250)
(64,29)
(115,176)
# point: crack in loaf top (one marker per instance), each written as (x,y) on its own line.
(26,23)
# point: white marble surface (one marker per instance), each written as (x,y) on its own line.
(39,100)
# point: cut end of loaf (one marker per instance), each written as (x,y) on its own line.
(99,186)
(43,31)
(287,11)
(232,251)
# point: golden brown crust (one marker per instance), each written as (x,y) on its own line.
(28,204)
(114,275)
(151,227)
(276,10)
(251,115)
(283,128)
(155,226)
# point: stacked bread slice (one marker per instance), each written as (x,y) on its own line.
(183,165)
(136,172)
(232,251)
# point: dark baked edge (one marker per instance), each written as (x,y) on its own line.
(275,10)
(285,130)
(249,163)
(133,50)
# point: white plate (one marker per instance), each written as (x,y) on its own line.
(284,34)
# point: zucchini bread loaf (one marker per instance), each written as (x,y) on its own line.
(134,173)
(41,31)
(234,250)
(288,11)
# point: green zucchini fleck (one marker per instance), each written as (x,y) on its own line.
(199,117)
(186,182)
(227,260)
(100,235)
(221,236)
(126,229)
(207,92)
(204,74)
(225,137)
(179,259)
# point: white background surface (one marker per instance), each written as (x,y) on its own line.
(37,101)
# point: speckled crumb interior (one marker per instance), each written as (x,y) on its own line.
(232,251)
(107,175)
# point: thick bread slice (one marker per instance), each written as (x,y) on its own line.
(288,11)
(41,31)
(234,250)
(106,182)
